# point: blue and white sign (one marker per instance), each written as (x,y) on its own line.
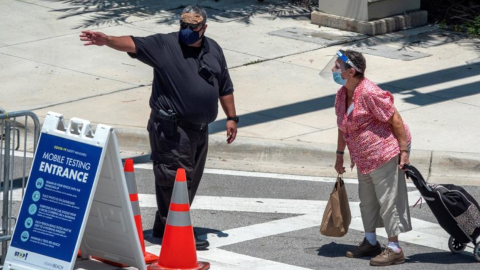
(76,196)
(56,197)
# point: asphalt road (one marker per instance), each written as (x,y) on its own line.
(304,248)
(270,221)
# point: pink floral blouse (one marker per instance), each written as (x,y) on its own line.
(369,137)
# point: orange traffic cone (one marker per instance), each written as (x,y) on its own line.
(178,244)
(133,193)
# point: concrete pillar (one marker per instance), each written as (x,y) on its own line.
(371,17)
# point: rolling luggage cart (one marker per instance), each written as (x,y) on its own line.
(456,210)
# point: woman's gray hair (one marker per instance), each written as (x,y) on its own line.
(196,9)
(358,60)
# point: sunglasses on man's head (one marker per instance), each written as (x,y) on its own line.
(185,25)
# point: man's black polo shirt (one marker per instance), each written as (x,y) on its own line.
(176,82)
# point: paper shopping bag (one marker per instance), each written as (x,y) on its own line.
(336,217)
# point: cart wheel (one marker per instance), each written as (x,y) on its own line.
(454,246)
(476,252)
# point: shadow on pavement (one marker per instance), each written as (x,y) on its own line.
(201,232)
(272,114)
(334,250)
(401,86)
(147,235)
(438,77)
(100,12)
(440,258)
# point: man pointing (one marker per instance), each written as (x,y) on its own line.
(190,76)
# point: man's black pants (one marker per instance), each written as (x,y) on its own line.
(187,149)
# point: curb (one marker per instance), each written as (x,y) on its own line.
(302,158)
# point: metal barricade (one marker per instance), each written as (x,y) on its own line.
(17,139)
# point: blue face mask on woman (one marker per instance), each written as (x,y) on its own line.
(337,77)
(188,36)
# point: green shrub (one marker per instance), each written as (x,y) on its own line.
(473,27)
(459,15)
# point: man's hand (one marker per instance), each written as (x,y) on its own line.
(228,105)
(93,38)
(231,131)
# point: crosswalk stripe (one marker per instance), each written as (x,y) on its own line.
(227,260)
(269,175)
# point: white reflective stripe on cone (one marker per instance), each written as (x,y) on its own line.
(136,208)
(131,183)
(180,193)
(179,219)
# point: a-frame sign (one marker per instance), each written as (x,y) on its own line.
(76,197)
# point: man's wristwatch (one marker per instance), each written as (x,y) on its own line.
(233,118)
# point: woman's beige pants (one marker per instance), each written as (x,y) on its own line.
(384,199)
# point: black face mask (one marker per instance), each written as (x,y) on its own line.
(187,34)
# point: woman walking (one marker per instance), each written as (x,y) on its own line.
(379,145)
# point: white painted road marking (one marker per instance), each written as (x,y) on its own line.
(227,260)
(246,204)
(269,175)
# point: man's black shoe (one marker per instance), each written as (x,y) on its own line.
(157,234)
(201,244)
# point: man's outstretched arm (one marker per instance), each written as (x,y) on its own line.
(123,43)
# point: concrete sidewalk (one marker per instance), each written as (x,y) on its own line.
(288,124)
